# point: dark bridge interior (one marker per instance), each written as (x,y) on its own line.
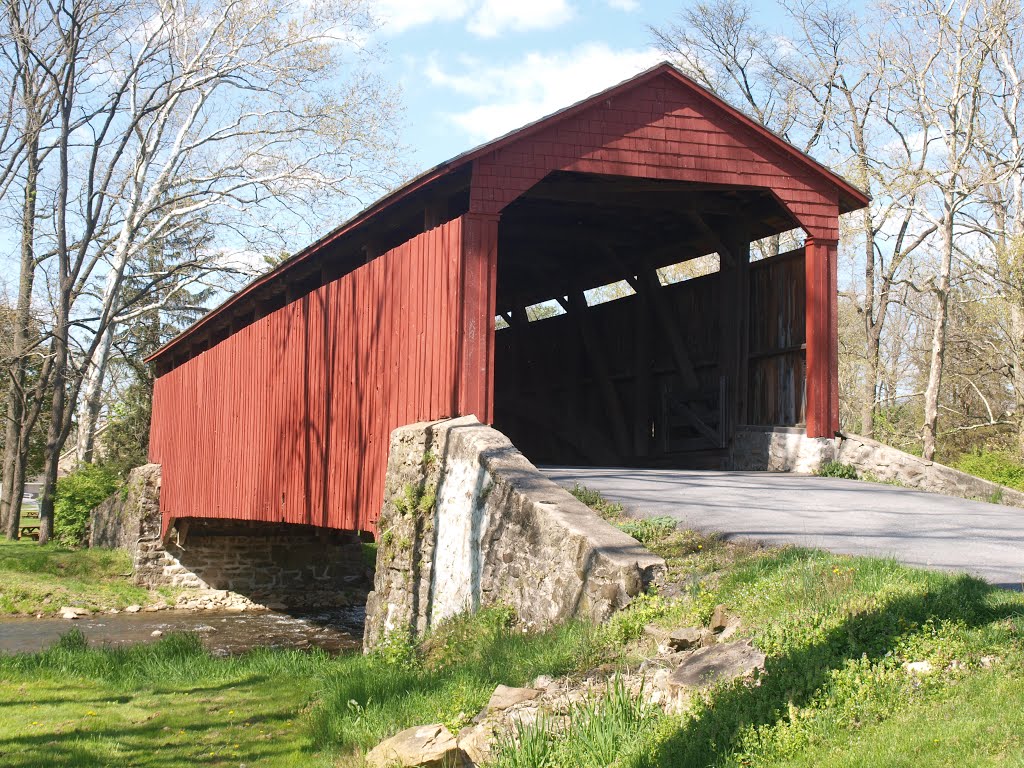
(661,375)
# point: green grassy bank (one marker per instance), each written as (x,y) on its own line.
(837,631)
(35,579)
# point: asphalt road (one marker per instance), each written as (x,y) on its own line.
(847,516)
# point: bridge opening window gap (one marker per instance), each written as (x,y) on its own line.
(784,242)
(620,289)
(690,269)
(543,310)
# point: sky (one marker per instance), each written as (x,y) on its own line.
(472,70)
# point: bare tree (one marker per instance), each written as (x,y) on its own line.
(240,115)
(938,56)
(31,107)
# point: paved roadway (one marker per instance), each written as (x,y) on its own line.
(848,516)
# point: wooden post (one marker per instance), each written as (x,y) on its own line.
(822,318)
(478,272)
(642,377)
(579,311)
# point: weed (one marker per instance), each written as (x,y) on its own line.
(837,469)
(649,530)
(414,500)
(609,510)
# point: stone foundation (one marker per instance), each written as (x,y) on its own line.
(469,522)
(779,449)
(297,562)
(295,565)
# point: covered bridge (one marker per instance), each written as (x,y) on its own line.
(278,405)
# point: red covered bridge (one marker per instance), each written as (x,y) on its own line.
(277,406)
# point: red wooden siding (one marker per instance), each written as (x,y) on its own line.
(288,420)
(662,130)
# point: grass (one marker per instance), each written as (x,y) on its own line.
(591,735)
(35,579)
(171,703)
(837,631)
(1002,467)
(166,704)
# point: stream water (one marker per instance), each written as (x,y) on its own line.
(222,632)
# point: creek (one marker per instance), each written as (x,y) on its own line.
(223,633)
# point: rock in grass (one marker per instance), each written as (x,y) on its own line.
(67,612)
(719,619)
(685,638)
(475,742)
(133,609)
(732,626)
(918,667)
(714,664)
(505,697)
(425,746)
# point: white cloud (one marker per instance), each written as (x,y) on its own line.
(484,18)
(496,16)
(538,84)
(624,5)
(400,15)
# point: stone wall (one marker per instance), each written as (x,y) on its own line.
(469,522)
(788,449)
(131,514)
(292,564)
(887,464)
(779,449)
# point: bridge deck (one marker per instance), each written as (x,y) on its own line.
(848,516)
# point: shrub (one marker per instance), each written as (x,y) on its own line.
(77,494)
(837,469)
(997,466)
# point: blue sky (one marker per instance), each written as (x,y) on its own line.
(471,70)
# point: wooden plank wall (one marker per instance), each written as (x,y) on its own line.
(288,420)
(547,385)
(778,376)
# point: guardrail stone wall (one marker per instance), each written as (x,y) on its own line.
(788,449)
(468,522)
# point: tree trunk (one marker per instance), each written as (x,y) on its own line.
(938,350)
(55,433)
(89,410)
(15,449)
(1017,361)
(872,331)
